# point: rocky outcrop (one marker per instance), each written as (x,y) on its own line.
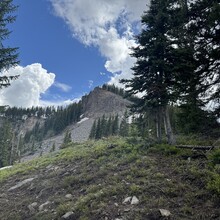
(100,102)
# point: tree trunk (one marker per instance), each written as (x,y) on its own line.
(169,132)
(158,124)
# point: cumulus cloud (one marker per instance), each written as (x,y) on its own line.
(26,91)
(62,86)
(108,25)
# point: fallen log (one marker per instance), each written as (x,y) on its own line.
(196,147)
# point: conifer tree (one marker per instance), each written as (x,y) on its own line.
(6,152)
(8,55)
(115,125)
(93,130)
(124,126)
(153,70)
(109,126)
(205,27)
(67,139)
(104,127)
(98,133)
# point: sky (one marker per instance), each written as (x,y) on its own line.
(68,47)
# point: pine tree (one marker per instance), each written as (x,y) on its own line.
(153,70)
(197,62)
(8,56)
(124,126)
(205,27)
(115,125)
(6,145)
(67,139)
(104,126)
(109,126)
(93,131)
(98,133)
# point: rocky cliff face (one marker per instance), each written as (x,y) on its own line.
(100,102)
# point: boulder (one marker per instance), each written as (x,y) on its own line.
(68,215)
(69,196)
(20,184)
(43,206)
(134,200)
(164,212)
(127,200)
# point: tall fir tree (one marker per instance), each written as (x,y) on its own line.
(197,63)
(153,70)
(93,130)
(124,126)
(8,55)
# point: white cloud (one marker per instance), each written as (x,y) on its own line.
(26,91)
(45,103)
(91,83)
(62,86)
(108,25)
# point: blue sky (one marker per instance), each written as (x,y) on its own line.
(66,48)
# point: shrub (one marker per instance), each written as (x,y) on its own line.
(214,184)
(214,157)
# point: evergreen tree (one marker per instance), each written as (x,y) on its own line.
(152,71)
(6,145)
(104,126)
(124,126)
(115,126)
(93,131)
(205,27)
(197,62)
(67,139)
(8,56)
(109,126)
(98,133)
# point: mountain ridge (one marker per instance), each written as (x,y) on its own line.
(97,103)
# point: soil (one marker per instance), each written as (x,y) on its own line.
(100,182)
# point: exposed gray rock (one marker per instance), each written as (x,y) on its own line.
(127,200)
(43,206)
(134,200)
(68,215)
(32,206)
(3,168)
(164,212)
(116,204)
(69,196)
(20,184)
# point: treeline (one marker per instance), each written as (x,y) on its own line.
(55,123)
(144,124)
(21,113)
(109,126)
(199,122)
(119,91)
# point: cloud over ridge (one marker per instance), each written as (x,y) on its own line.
(108,25)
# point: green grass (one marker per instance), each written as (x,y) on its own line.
(98,176)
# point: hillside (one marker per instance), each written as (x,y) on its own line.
(109,180)
(33,123)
